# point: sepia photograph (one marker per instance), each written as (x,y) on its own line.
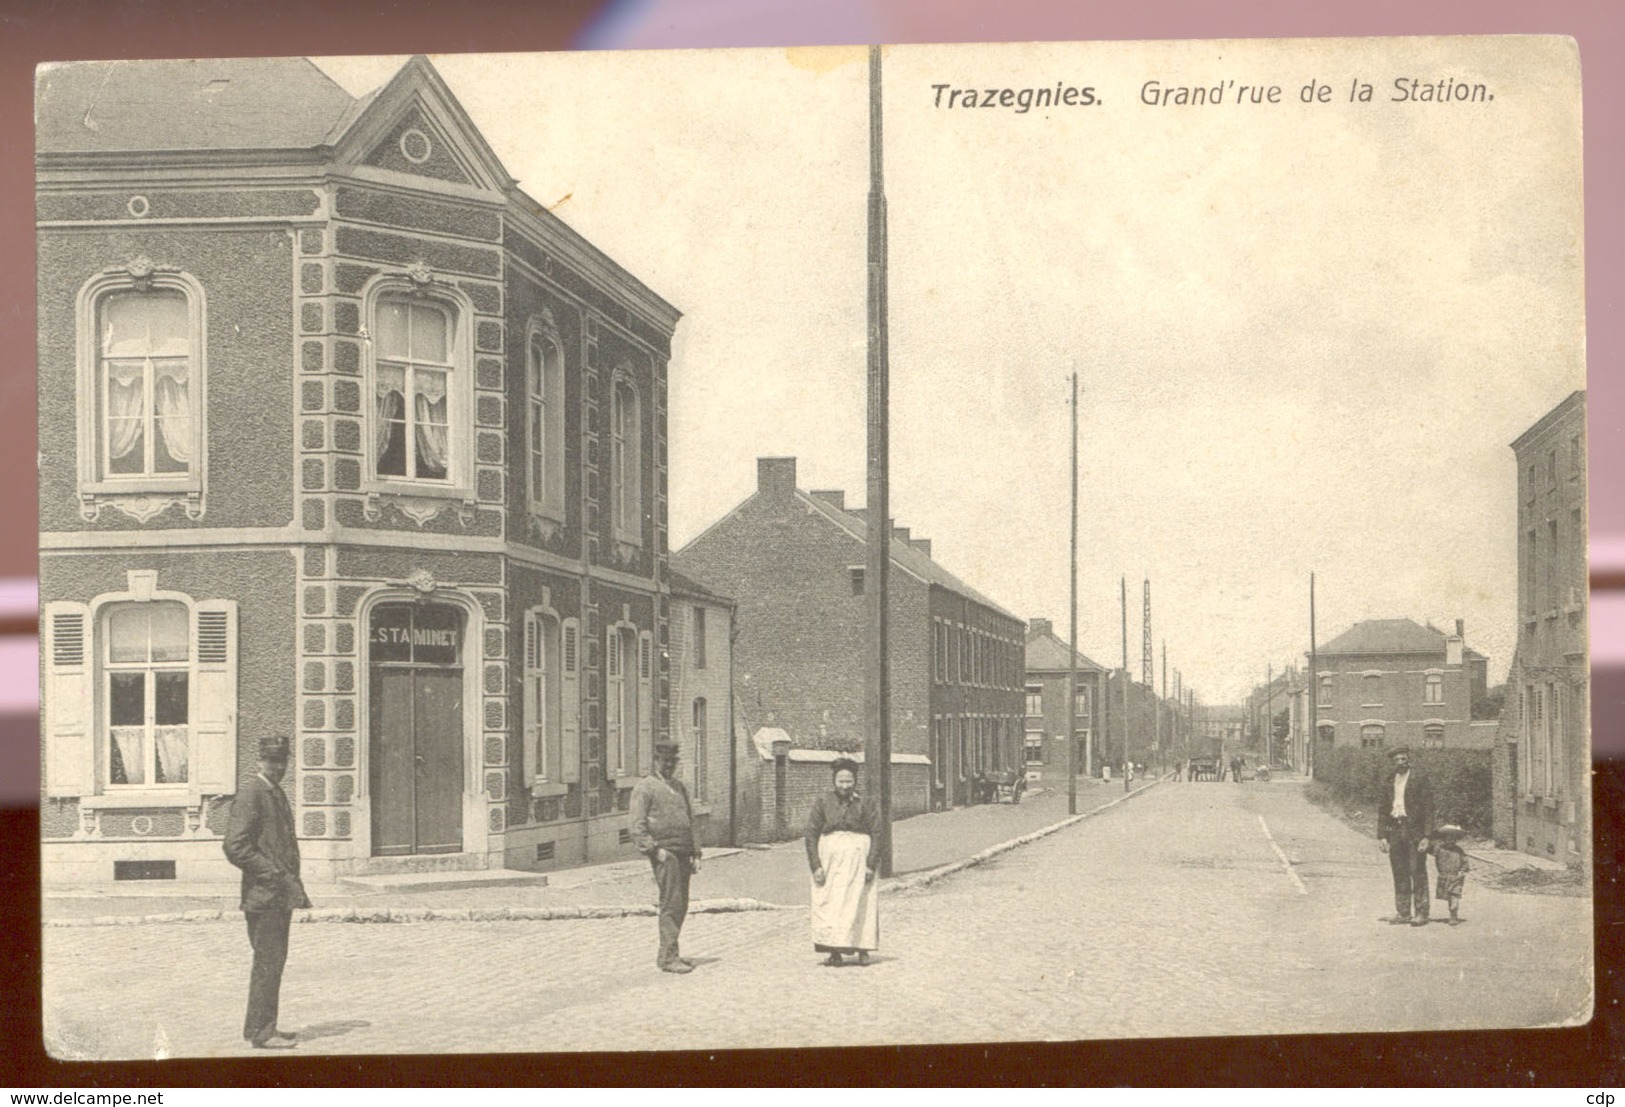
(827,546)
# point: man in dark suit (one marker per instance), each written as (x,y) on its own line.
(260,841)
(1404,823)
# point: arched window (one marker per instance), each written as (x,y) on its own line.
(140,694)
(1325,692)
(543,763)
(413,366)
(1372,736)
(1433,735)
(146,384)
(615,701)
(625,462)
(1433,688)
(141,409)
(545,460)
(1371,690)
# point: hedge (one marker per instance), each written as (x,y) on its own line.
(1460,780)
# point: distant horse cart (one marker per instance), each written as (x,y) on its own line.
(996,787)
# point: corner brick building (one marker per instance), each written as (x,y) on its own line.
(1543,766)
(343,437)
(794,562)
(1391,682)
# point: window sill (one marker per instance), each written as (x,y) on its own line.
(143,486)
(180,797)
(434,490)
(544,790)
(418,502)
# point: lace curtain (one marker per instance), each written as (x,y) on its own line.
(146,338)
(408,336)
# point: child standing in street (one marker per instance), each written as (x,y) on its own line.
(1451,862)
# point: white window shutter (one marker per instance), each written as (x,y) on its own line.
(69,707)
(532,709)
(570,702)
(214,697)
(646,699)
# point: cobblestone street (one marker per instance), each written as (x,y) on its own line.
(1194,909)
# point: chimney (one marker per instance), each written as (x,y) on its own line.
(1461,629)
(1453,645)
(775,477)
(1040,626)
(834,497)
(900,534)
(921,544)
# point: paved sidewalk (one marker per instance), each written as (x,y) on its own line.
(744,879)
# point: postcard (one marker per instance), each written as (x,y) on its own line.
(812,547)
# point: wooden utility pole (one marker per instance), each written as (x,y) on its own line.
(1072,638)
(1314,684)
(1172,722)
(1269,714)
(1123,590)
(877,697)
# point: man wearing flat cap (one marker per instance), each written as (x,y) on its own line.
(663,831)
(1404,823)
(260,841)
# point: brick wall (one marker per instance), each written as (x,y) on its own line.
(799,658)
(805,781)
(1401,709)
(690,683)
(247,317)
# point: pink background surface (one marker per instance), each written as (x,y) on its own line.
(185,28)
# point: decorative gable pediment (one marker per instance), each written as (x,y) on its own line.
(415,145)
(414,126)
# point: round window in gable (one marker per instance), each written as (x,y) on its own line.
(138,206)
(415,146)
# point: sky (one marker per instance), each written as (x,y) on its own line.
(1305,334)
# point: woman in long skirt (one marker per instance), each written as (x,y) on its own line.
(843,849)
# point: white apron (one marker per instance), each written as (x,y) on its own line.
(846,910)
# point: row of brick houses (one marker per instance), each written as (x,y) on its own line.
(793,562)
(345,437)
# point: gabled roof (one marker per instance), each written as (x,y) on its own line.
(418,91)
(207,104)
(912,561)
(682,585)
(240,104)
(1378,636)
(1047,653)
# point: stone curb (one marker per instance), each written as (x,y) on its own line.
(915,881)
(431,914)
(912,882)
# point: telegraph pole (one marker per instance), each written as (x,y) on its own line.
(1123,595)
(1072,638)
(1147,665)
(1314,683)
(877,698)
(1172,721)
(1269,714)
